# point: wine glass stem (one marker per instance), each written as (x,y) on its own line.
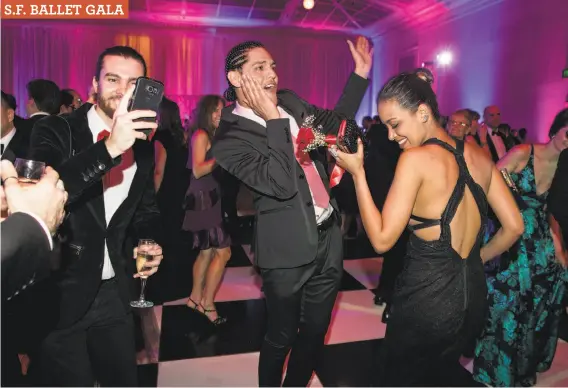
(143,288)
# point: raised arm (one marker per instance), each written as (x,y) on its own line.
(272,173)
(353,92)
(50,142)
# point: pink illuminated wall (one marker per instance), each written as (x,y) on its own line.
(190,62)
(510,54)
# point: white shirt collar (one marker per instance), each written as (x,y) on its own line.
(96,123)
(39,114)
(248,113)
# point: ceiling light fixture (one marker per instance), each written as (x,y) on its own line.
(309,4)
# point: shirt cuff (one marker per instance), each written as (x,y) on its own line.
(44,227)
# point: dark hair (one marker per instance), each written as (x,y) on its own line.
(46,95)
(410,91)
(119,51)
(66,98)
(425,74)
(205,108)
(170,120)
(560,121)
(235,60)
(9,101)
(474,115)
(367,118)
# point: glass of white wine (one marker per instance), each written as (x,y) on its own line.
(143,256)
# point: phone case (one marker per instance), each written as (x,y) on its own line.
(148,94)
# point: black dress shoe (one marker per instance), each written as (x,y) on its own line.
(386,313)
(380,300)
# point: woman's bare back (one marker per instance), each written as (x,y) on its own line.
(441,172)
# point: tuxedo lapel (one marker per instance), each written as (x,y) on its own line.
(82,139)
(492,149)
(294,108)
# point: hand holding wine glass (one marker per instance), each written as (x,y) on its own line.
(148,256)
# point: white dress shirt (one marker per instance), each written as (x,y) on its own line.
(497,142)
(116,182)
(321,214)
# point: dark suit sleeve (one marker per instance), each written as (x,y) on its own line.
(50,143)
(25,253)
(346,107)
(146,221)
(272,173)
(352,95)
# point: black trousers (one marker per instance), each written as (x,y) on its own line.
(299,303)
(99,347)
(229,191)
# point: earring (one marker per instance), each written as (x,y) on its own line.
(424,118)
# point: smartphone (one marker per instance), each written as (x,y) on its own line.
(148,94)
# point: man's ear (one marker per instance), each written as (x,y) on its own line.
(10,115)
(234,78)
(95,85)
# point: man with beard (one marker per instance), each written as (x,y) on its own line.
(106,165)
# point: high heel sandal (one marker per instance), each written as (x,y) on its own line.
(195,305)
(219,321)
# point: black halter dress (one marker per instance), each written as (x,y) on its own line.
(439,305)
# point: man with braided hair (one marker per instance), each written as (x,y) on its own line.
(298,244)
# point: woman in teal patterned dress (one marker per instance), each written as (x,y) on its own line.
(525,296)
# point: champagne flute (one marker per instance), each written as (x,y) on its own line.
(143,256)
(29,171)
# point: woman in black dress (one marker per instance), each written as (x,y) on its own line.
(440,192)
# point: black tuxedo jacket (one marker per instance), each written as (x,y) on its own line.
(66,143)
(18,146)
(286,233)
(25,252)
(25,126)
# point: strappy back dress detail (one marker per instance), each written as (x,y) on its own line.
(439,306)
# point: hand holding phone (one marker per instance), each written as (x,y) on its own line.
(148,94)
(127,127)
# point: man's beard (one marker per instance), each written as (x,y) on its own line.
(105,104)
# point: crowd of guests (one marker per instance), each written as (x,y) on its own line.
(427,192)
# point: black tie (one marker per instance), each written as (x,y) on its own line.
(1,149)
